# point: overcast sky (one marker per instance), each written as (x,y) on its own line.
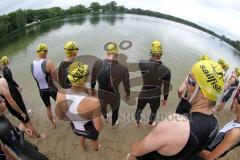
(221,16)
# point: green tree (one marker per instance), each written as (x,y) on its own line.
(35,18)
(95,7)
(113,6)
(20,19)
(55,12)
(76,9)
(3,29)
(29,15)
(121,9)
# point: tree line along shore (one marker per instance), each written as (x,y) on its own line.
(21,19)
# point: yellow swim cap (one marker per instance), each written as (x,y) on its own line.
(41,47)
(223,63)
(112,47)
(78,73)
(204,57)
(237,71)
(210,78)
(70,48)
(4,60)
(156,48)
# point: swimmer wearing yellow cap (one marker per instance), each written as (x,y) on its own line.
(205,84)
(71,50)
(82,106)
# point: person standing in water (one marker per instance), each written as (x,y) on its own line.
(109,73)
(179,137)
(155,75)
(43,71)
(83,111)
(13,98)
(71,51)
(232,85)
(225,66)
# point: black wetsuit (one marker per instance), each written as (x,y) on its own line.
(16,95)
(203,129)
(154,74)
(63,73)
(14,139)
(230,91)
(219,138)
(109,74)
(183,107)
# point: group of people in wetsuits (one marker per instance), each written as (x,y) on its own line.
(190,133)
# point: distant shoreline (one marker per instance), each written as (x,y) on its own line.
(162,16)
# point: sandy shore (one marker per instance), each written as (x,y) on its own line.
(63,144)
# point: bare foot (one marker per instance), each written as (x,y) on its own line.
(116,125)
(99,146)
(41,136)
(138,125)
(84,148)
(152,125)
(54,125)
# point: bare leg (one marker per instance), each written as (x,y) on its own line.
(50,117)
(96,145)
(83,143)
(34,131)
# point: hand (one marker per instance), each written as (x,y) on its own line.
(24,116)
(164,103)
(24,129)
(93,92)
(127,97)
(179,94)
(130,156)
(21,127)
(28,131)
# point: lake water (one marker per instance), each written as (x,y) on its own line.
(182,47)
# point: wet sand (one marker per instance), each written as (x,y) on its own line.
(63,144)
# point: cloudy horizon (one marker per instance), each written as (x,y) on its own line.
(216,15)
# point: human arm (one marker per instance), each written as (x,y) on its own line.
(229,83)
(10,99)
(182,88)
(61,103)
(126,83)
(94,74)
(166,87)
(51,68)
(7,74)
(97,67)
(229,141)
(10,155)
(97,116)
(164,137)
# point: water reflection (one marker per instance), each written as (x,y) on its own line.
(94,19)
(111,19)
(76,20)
